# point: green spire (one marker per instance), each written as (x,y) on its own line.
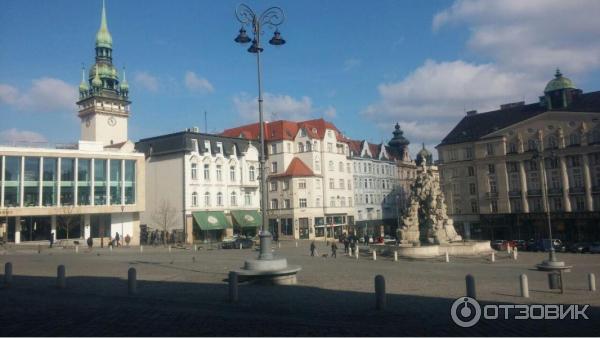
(96,82)
(83,86)
(124,84)
(103,38)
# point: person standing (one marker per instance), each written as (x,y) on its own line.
(313,248)
(117,239)
(346,244)
(334,249)
(51,239)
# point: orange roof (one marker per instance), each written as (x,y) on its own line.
(285,130)
(297,168)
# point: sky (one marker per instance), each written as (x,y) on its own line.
(363,65)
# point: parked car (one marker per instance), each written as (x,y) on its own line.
(520,244)
(595,247)
(580,247)
(246,243)
(499,244)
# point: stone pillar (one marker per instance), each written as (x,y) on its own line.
(467,230)
(587,182)
(523,178)
(565,184)
(17,230)
(53,227)
(87,226)
(503,199)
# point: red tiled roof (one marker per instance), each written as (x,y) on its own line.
(285,130)
(297,168)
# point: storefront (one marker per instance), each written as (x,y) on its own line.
(210,226)
(246,222)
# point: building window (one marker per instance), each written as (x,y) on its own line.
(349,201)
(493,188)
(194,171)
(472,189)
(219,199)
(489,149)
(273,167)
(552,143)
(470,171)
(332,201)
(207,146)
(300,147)
(348,168)
(219,147)
(494,204)
(579,203)
(207,199)
(515,205)
(341,183)
(330,147)
(308,146)
(574,139)
(512,148)
(349,185)
(219,173)
(232,173)
(233,199)
(474,208)
(251,174)
(286,204)
(207,171)
(343,201)
(302,184)
(318,202)
(273,186)
(274,204)
(491,169)
(557,204)
(195,145)
(194,199)
(531,145)
(273,148)
(303,203)
(247,198)
(285,185)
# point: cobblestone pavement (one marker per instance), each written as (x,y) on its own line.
(183,292)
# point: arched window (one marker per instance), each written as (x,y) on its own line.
(194,199)
(251,175)
(552,142)
(219,199)
(531,145)
(194,171)
(512,148)
(207,199)
(574,139)
(232,173)
(233,199)
(300,147)
(308,146)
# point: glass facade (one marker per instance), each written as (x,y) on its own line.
(49,181)
(84,182)
(116,175)
(32,181)
(100,182)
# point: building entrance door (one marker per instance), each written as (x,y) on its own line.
(304,230)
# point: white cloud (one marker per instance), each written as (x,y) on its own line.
(15,135)
(533,35)
(279,107)
(146,81)
(199,84)
(45,95)
(351,63)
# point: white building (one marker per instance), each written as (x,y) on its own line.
(94,188)
(203,185)
(310,178)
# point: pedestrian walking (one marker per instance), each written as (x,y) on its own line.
(117,239)
(346,244)
(353,247)
(90,242)
(334,249)
(51,240)
(313,248)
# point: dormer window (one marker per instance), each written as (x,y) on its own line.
(195,145)
(207,145)
(220,147)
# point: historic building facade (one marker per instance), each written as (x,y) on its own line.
(204,185)
(94,188)
(500,167)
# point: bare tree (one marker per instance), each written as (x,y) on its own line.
(67,218)
(165,215)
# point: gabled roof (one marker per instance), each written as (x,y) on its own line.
(474,127)
(284,130)
(182,142)
(297,168)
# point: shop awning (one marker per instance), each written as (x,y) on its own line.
(247,218)
(211,220)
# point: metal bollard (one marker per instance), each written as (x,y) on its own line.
(278,244)
(233,287)
(296,244)
(515,254)
(374,255)
(493,256)
(131,281)
(592,281)
(508,248)
(447,257)
(195,247)
(379,292)
(471,291)
(524,286)
(76,248)
(141,248)
(357,250)
(395,256)
(39,249)
(8,274)
(110,248)
(61,279)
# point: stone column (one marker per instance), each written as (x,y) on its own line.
(87,226)
(17,230)
(565,183)
(53,227)
(503,199)
(467,229)
(523,178)
(587,182)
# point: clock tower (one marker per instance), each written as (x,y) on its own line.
(103,99)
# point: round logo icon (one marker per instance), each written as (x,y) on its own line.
(465,312)
(212,220)
(249,218)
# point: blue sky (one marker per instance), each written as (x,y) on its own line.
(363,65)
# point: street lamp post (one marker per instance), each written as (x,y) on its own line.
(552,262)
(397,212)
(122,220)
(272,17)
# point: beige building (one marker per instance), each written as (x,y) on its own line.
(94,188)
(498,168)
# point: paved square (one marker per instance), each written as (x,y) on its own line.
(183,292)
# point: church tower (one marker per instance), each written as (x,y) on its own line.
(103,100)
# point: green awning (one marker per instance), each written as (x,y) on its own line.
(247,218)
(211,220)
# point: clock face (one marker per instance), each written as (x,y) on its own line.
(112,121)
